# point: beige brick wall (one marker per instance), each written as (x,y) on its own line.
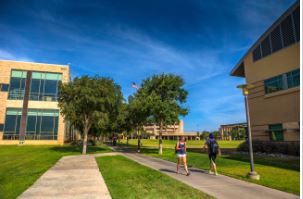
(5,71)
(278,107)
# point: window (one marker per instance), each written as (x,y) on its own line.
(276,39)
(12,124)
(257,53)
(42,124)
(288,31)
(266,50)
(273,84)
(293,78)
(1,127)
(4,87)
(296,17)
(17,85)
(282,82)
(276,131)
(283,35)
(44,86)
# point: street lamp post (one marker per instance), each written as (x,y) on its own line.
(252,174)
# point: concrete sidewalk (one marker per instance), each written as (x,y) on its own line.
(76,177)
(221,187)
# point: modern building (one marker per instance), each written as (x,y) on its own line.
(29,112)
(271,68)
(226,130)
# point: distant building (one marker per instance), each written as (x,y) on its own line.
(272,67)
(154,129)
(29,102)
(171,132)
(226,129)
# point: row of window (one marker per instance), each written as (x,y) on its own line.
(285,34)
(282,82)
(43,86)
(42,124)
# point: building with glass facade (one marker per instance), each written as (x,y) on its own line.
(272,69)
(29,111)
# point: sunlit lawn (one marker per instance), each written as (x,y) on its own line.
(21,166)
(128,179)
(190,143)
(278,173)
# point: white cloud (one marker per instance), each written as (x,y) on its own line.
(5,55)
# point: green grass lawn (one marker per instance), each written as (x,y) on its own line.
(21,166)
(277,173)
(190,143)
(128,179)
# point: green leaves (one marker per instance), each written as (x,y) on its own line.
(164,96)
(91,101)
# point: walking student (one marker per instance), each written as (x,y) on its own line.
(213,149)
(181,154)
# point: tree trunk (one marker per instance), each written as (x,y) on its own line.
(127,140)
(139,141)
(160,139)
(85,140)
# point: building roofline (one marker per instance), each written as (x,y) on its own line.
(7,60)
(265,34)
(234,124)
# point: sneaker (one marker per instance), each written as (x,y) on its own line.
(210,172)
(188,173)
(216,174)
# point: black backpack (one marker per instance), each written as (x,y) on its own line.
(213,146)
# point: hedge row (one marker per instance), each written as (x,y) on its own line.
(288,148)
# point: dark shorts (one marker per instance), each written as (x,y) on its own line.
(212,156)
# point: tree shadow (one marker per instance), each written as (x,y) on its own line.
(70,149)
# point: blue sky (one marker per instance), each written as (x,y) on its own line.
(131,40)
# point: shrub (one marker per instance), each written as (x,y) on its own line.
(288,148)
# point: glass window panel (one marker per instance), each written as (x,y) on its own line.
(265,45)
(56,125)
(10,123)
(13,111)
(35,89)
(50,87)
(287,31)
(276,132)
(31,124)
(4,87)
(293,78)
(36,75)
(19,74)
(38,126)
(47,124)
(43,76)
(296,16)
(274,84)
(276,40)
(52,76)
(18,124)
(257,53)
(15,90)
(50,90)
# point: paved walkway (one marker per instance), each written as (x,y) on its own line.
(221,187)
(76,177)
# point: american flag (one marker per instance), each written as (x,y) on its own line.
(134,85)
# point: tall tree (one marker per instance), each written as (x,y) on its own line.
(88,101)
(137,114)
(165,96)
